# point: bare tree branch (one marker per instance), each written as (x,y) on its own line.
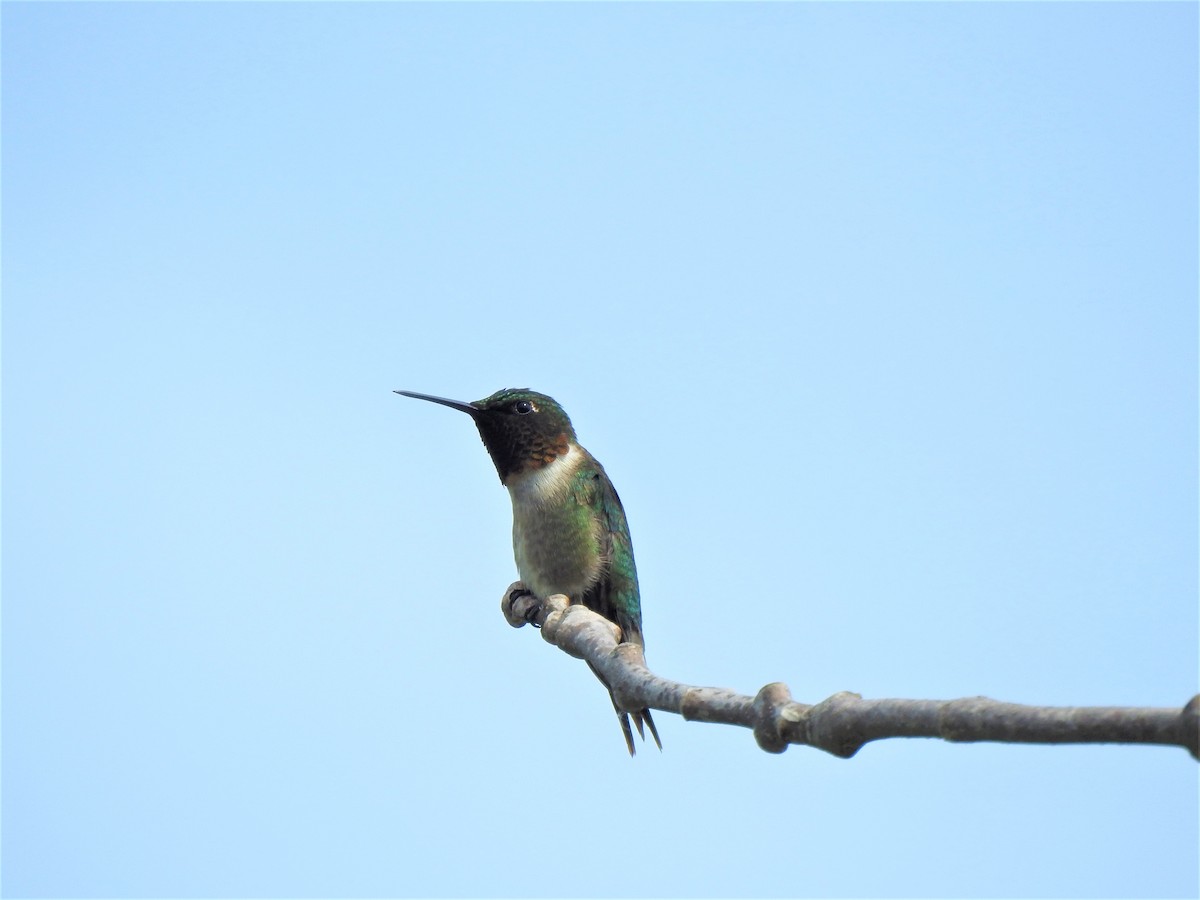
(844,722)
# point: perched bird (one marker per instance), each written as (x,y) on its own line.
(569,530)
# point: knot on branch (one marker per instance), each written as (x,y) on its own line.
(834,725)
(958,720)
(770,708)
(574,629)
(552,616)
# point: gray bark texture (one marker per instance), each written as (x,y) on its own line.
(843,723)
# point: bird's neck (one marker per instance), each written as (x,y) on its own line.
(546,480)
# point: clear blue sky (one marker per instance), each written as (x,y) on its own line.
(881,317)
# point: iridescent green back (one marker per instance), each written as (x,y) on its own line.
(615,596)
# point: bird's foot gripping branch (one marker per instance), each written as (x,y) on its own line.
(843,723)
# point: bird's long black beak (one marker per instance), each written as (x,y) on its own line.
(453,404)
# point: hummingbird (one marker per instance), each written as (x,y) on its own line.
(569,530)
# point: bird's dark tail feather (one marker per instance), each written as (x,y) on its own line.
(645,715)
(641,719)
(638,719)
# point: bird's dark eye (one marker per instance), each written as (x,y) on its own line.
(522,407)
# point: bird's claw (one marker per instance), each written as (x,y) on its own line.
(520,606)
